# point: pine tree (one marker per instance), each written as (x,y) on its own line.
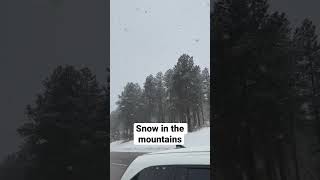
(252,81)
(66,127)
(129,107)
(186,89)
(307,66)
(115,127)
(205,79)
(205,76)
(160,96)
(150,95)
(169,103)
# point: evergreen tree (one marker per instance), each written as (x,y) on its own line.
(252,88)
(150,95)
(160,97)
(66,127)
(186,89)
(169,103)
(129,107)
(205,76)
(115,127)
(307,70)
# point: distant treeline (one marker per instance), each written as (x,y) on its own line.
(181,94)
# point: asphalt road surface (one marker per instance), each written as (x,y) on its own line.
(119,161)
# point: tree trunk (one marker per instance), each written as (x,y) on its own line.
(181,117)
(173,117)
(294,148)
(314,95)
(189,120)
(248,153)
(195,122)
(201,107)
(269,168)
(198,117)
(282,167)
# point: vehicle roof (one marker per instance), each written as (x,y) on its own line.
(182,156)
(184,150)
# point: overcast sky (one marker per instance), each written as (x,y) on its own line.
(148,36)
(297,10)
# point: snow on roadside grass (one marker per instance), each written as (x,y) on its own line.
(197,138)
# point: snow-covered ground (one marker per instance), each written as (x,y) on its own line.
(197,138)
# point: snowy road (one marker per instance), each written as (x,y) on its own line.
(119,162)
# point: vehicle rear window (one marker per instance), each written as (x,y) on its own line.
(156,173)
(198,173)
(174,173)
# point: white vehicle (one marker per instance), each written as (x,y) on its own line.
(177,164)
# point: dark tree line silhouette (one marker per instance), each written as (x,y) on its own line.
(266,78)
(65,132)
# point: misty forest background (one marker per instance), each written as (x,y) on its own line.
(266,87)
(180,95)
